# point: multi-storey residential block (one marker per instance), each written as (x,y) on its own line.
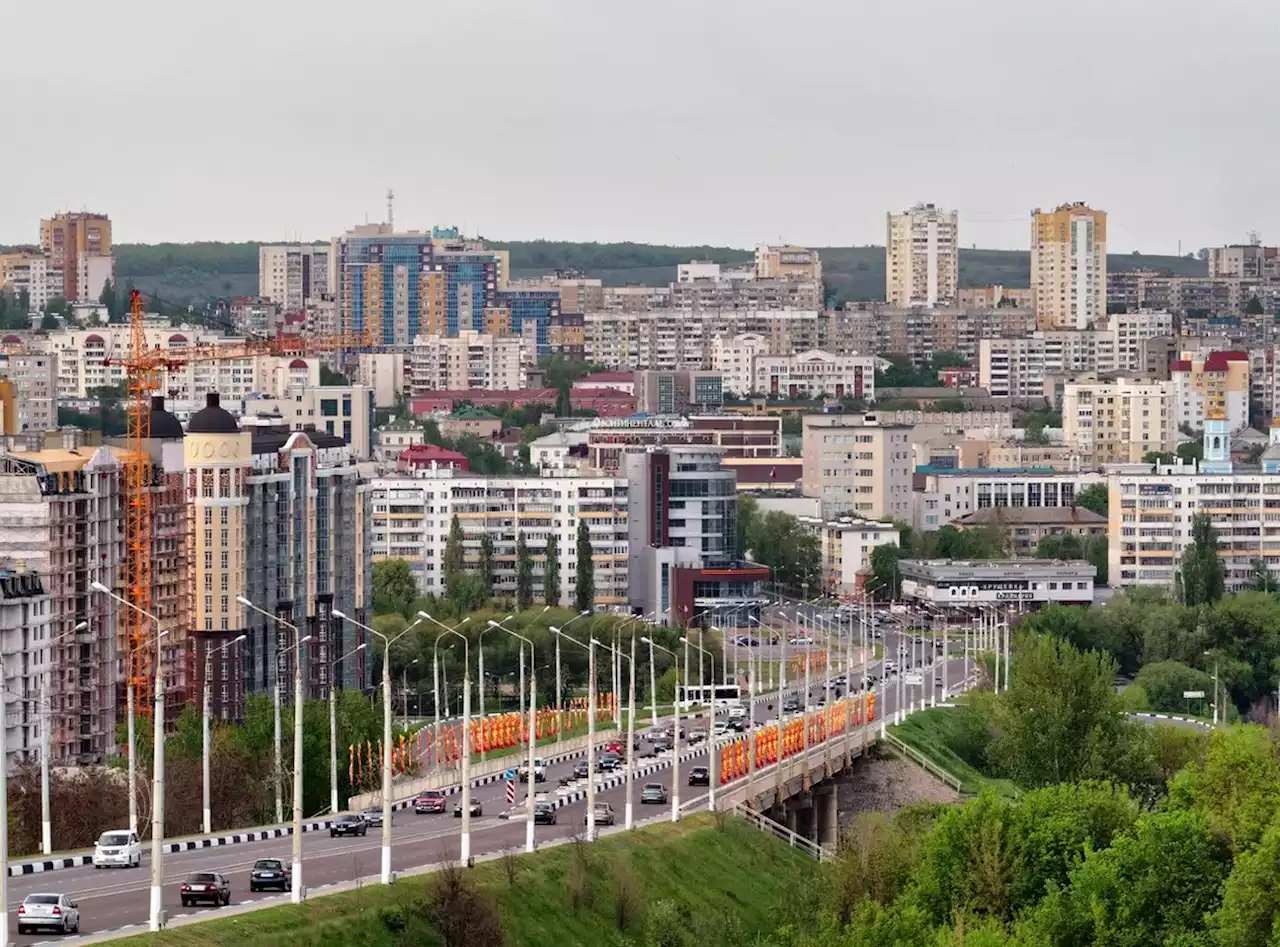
(291,274)
(608,439)
(749,368)
(788,263)
(846,548)
(27,668)
(920,333)
(385,373)
(993,295)
(412,516)
(346,412)
(922,262)
(685,566)
(728,292)
(857,467)
(1069,266)
(942,496)
(1215,384)
(678,392)
(1245,261)
(1120,421)
(655,340)
(35,390)
(67,240)
(469,359)
(33,274)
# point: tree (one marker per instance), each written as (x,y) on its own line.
(1254,306)
(1236,787)
(1058,722)
(1094,497)
(1200,578)
(1191,450)
(1263,580)
(585,589)
(486,561)
(884,568)
(747,514)
(330,378)
(48,322)
(524,575)
(454,563)
(394,587)
(1251,897)
(1164,682)
(793,553)
(551,572)
(564,403)
(1162,457)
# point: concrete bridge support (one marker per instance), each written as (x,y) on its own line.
(826,811)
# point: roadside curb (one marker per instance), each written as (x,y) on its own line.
(1175,717)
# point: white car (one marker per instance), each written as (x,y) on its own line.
(539,771)
(51,911)
(737,710)
(117,848)
(720,729)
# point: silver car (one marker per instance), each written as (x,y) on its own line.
(51,911)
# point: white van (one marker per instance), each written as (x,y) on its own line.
(119,848)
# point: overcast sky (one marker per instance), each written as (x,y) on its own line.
(666,121)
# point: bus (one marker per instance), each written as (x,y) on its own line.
(725,695)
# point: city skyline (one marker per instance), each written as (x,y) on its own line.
(802,117)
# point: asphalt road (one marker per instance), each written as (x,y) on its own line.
(113,898)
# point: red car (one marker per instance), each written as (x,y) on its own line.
(430,801)
(615,747)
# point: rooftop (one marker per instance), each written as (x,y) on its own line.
(1033,516)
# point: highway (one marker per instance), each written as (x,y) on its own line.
(114,898)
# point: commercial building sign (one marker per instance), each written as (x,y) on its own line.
(802,258)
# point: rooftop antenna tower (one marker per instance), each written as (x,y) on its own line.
(1255,238)
(391,222)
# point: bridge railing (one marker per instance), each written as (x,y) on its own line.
(769,827)
(921,760)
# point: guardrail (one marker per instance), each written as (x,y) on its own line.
(769,827)
(921,760)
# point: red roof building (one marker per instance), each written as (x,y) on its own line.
(427,456)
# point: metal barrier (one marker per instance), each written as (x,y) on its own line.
(921,760)
(794,839)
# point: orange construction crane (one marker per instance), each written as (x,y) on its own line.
(144,367)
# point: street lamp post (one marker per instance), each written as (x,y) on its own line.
(714,776)
(559,682)
(297,890)
(207,725)
(675,739)
(465,847)
(631,721)
(591,726)
(480,669)
(156,915)
(531,737)
(442,683)
(333,728)
(46,709)
(404,690)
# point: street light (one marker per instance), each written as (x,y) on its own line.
(591,728)
(156,915)
(207,725)
(675,740)
(404,690)
(466,749)
(480,669)
(531,737)
(46,708)
(631,723)
(333,728)
(714,777)
(559,702)
(296,890)
(437,672)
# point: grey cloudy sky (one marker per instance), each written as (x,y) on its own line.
(671,121)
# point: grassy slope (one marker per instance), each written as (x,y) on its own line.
(931,732)
(201,270)
(737,871)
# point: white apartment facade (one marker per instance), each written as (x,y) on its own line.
(846,548)
(748,367)
(35,276)
(663,341)
(1069,266)
(944,496)
(470,360)
(35,389)
(291,274)
(1119,422)
(857,468)
(922,261)
(412,516)
(384,373)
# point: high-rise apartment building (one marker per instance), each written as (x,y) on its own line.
(749,368)
(1244,261)
(788,263)
(685,565)
(469,359)
(1216,384)
(922,260)
(27,665)
(35,390)
(855,466)
(67,239)
(1120,421)
(1069,266)
(291,274)
(412,516)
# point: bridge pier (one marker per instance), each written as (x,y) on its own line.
(826,811)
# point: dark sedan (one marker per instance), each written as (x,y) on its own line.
(544,813)
(581,770)
(653,793)
(207,886)
(700,776)
(349,824)
(269,873)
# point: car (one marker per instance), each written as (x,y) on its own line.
(205,886)
(737,710)
(615,747)
(791,705)
(700,776)
(697,736)
(476,809)
(581,769)
(660,744)
(720,729)
(608,762)
(603,814)
(372,816)
(430,801)
(653,793)
(118,847)
(544,813)
(737,724)
(348,824)
(57,911)
(539,771)
(270,873)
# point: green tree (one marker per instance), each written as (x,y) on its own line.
(1162,457)
(1254,306)
(551,572)
(1200,578)
(564,403)
(394,587)
(1236,787)
(884,568)
(49,322)
(524,575)
(454,564)
(486,561)
(585,588)
(1094,497)
(1263,580)
(330,378)
(747,515)
(793,553)
(1058,722)
(1164,682)
(1250,909)
(1192,450)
